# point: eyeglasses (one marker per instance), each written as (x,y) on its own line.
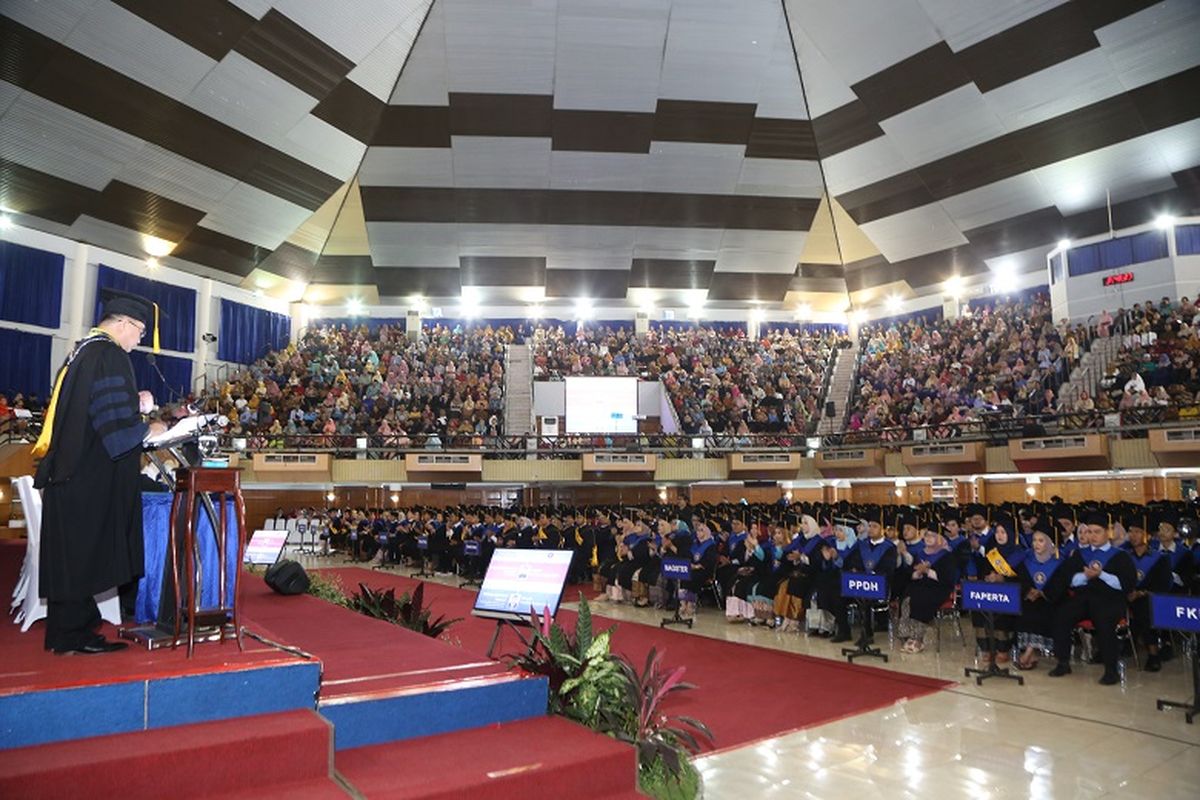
(141,329)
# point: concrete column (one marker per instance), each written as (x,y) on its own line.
(299,320)
(203,354)
(77,317)
(641,324)
(950,307)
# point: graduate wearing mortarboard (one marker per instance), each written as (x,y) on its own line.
(998,562)
(1153,577)
(934,573)
(1101,576)
(90,449)
(1043,587)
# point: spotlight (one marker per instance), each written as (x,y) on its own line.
(1006,277)
(1064,244)
(756,315)
(954,286)
(695,312)
(803,311)
(331,497)
(354,306)
(155,246)
(894,304)
(152,263)
(535,312)
(583,309)
(1164,222)
(395,497)
(6,222)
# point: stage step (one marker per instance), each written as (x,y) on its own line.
(244,757)
(540,757)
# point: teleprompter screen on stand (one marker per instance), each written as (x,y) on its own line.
(520,581)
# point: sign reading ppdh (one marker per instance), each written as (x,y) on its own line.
(676,569)
(864,586)
(1175,612)
(998,598)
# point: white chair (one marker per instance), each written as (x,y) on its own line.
(268,525)
(26,595)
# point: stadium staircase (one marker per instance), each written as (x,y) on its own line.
(1091,368)
(518,389)
(840,387)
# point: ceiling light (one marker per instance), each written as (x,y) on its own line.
(894,304)
(395,497)
(331,497)
(1164,221)
(859,316)
(583,309)
(954,286)
(695,311)
(803,311)
(6,222)
(756,315)
(354,306)
(155,246)
(152,263)
(1006,277)
(1064,244)
(535,312)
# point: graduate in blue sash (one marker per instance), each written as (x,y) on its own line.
(956,539)
(934,575)
(1042,589)
(908,540)
(738,546)
(758,566)
(1183,563)
(1100,577)
(799,564)
(997,563)
(1153,576)
(1066,527)
(875,555)
(703,556)
(639,546)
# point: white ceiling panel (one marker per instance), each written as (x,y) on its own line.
(780,95)
(403,244)
(378,71)
(255,8)
(730,260)
(590,259)
(609,54)
(318,144)
(175,177)
(998,201)
(251,99)
(149,55)
(949,123)
(52,19)
(567,239)
(1129,169)
(718,51)
(823,87)
(1179,145)
(8,95)
(777,177)
(254,216)
(1051,92)
(106,235)
(1153,43)
(352,27)
(862,37)
(407,166)
(486,162)
(423,80)
(963,23)
(915,232)
(788,242)
(55,140)
(693,167)
(502,240)
(863,165)
(571,169)
(501,46)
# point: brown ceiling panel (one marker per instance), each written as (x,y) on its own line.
(749,286)
(908,83)
(144,212)
(923,270)
(502,271)
(216,250)
(281,46)
(211,26)
(782,138)
(351,109)
(404,281)
(342,269)
(607,284)
(747,212)
(501,114)
(697,121)
(845,127)
(413,126)
(1049,38)
(30,191)
(667,273)
(291,262)
(821,271)
(602,131)
(1046,225)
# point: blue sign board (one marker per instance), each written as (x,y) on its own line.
(1175,612)
(676,569)
(422,542)
(998,598)
(864,586)
(470,548)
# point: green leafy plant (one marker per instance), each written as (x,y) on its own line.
(656,781)
(405,611)
(328,589)
(659,737)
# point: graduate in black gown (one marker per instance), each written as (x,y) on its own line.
(874,555)
(91,537)
(1100,577)
(1042,589)
(1153,568)
(998,563)
(703,555)
(934,574)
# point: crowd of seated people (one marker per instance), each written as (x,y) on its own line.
(720,381)
(1007,359)
(779,566)
(1159,361)
(340,380)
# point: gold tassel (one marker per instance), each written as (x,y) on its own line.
(155,326)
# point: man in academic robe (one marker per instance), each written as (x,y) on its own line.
(1153,577)
(91,537)
(1101,577)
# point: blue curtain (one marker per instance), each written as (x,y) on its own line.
(1116,253)
(176,305)
(24,363)
(249,333)
(177,371)
(1187,240)
(1149,246)
(31,285)
(1083,260)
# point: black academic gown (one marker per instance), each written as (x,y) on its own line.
(91,537)
(1037,615)
(927,594)
(1097,601)
(1154,575)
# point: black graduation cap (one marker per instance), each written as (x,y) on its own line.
(1094,516)
(1043,526)
(115,302)
(950,514)
(1168,516)
(1063,511)
(1131,521)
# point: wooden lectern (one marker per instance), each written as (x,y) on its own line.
(191,486)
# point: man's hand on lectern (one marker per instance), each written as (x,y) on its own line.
(156,428)
(145,402)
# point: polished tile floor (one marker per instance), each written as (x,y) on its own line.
(1051,738)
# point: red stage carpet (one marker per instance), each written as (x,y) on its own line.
(791,691)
